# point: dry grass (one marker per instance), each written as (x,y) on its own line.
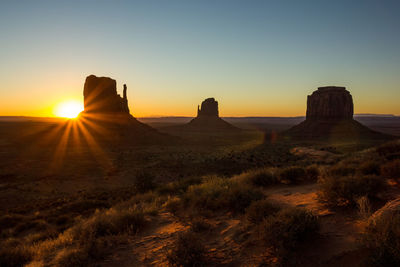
(391,169)
(259,210)
(287,231)
(87,240)
(345,191)
(382,237)
(187,251)
(216,194)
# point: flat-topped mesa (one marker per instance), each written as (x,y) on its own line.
(330,103)
(100,96)
(209,108)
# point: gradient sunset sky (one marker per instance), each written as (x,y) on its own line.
(257,58)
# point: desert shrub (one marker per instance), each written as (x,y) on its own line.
(72,257)
(287,230)
(370,168)
(199,224)
(187,251)
(173,205)
(312,173)
(178,187)
(207,195)
(84,251)
(239,197)
(221,194)
(35,225)
(14,255)
(382,237)
(292,175)
(148,203)
(261,177)
(341,170)
(388,149)
(259,210)
(10,220)
(110,222)
(344,191)
(391,169)
(82,205)
(364,206)
(144,181)
(89,239)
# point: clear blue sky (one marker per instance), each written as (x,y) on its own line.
(258,58)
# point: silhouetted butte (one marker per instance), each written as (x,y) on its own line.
(107,114)
(330,112)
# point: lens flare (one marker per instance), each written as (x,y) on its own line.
(69,109)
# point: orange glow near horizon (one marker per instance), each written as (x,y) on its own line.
(68,109)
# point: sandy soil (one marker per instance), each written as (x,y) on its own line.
(338,241)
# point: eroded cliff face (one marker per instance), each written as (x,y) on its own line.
(209,108)
(330,103)
(100,96)
(330,116)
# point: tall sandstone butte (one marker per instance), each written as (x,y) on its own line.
(106,115)
(100,96)
(330,112)
(330,103)
(209,107)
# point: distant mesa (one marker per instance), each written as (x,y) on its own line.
(208,119)
(330,103)
(330,111)
(209,108)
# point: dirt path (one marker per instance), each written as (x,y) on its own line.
(340,232)
(338,241)
(148,248)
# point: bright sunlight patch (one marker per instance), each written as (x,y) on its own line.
(69,109)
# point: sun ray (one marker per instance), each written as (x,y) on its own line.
(59,153)
(94,147)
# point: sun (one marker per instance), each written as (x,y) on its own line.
(69,109)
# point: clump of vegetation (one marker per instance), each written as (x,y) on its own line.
(199,224)
(173,205)
(370,167)
(391,169)
(178,187)
(144,181)
(345,191)
(92,237)
(312,173)
(261,177)
(110,222)
(382,238)
(14,254)
(364,206)
(187,251)
(342,169)
(389,150)
(221,194)
(287,230)
(293,175)
(259,210)
(87,240)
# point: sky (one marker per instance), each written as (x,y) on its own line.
(257,58)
